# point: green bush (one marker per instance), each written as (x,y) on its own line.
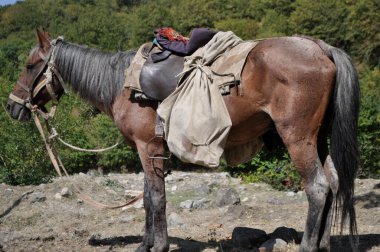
(369,123)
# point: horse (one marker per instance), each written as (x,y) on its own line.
(301,88)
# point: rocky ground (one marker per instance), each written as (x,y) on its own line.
(206,212)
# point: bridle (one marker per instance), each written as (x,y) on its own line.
(50,71)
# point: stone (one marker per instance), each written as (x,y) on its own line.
(187,204)
(226,197)
(203,190)
(175,220)
(37,197)
(287,234)
(58,196)
(245,199)
(248,238)
(235,212)
(290,194)
(8,191)
(201,203)
(174,188)
(274,245)
(65,192)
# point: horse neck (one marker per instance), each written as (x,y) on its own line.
(96,76)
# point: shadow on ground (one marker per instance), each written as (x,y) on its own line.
(188,245)
(366,242)
(370,200)
(338,243)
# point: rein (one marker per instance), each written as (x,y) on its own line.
(50,73)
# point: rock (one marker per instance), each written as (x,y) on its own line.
(175,220)
(65,192)
(201,203)
(290,194)
(274,245)
(225,197)
(187,204)
(42,186)
(245,199)
(248,238)
(203,190)
(8,191)
(174,188)
(287,234)
(235,212)
(58,196)
(37,197)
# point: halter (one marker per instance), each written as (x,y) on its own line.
(50,72)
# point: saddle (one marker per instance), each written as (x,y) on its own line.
(159,74)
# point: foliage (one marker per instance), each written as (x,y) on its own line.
(369,123)
(123,24)
(272,168)
(23,159)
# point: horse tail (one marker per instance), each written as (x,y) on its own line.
(344,144)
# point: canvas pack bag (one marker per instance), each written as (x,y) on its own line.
(195,117)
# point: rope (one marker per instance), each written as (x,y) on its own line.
(58,165)
(88,150)
(54,134)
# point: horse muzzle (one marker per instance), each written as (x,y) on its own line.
(18,111)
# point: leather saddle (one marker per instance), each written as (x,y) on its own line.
(159,78)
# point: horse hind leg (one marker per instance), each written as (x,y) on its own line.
(332,177)
(305,157)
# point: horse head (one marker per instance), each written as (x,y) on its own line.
(38,83)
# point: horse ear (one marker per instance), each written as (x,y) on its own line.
(43,38)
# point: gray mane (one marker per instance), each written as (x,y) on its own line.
(96,76)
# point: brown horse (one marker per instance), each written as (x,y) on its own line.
(303,89)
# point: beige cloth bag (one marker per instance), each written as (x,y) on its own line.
(195,118)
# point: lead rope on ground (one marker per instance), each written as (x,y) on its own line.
(58,165)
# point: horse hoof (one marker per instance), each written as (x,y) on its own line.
(161,249)
(142,248)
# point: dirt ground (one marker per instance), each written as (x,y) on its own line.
(43,218)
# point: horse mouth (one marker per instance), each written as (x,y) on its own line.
(18,111)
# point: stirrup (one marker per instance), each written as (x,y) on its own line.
(158,134)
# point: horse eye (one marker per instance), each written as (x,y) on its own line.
(29,66)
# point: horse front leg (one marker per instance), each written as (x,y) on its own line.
(156,235)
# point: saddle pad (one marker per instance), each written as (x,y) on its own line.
(132,73)
(228,66)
